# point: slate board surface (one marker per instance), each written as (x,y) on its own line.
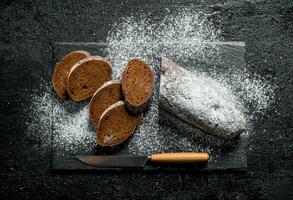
(224,155)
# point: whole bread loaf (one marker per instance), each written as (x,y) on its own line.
(108,94)
(200,101)
(116,125)
(137,85)
(87,76)
(62,69)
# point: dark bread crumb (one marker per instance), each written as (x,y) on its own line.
(62,69)
(87,76)
(108,94)
(116,125)
(137,85)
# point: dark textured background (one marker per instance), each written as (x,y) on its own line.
(28,29)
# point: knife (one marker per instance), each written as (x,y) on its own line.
(140,161)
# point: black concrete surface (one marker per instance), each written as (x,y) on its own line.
(27,31)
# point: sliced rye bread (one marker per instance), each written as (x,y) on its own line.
(137,85)
(87,76)
(62,69)
(116,125)
(108,94)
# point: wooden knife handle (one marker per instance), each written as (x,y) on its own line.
(182,157)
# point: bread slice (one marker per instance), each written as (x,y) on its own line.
(116,125)
(87,76)
(137,85)
(108,94)
(62,69)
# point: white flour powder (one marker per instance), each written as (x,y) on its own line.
(181,34)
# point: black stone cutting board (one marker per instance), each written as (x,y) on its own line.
(224,155)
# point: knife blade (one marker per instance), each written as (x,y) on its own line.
(140,161)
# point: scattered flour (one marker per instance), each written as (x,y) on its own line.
(185,33)
(180,34)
